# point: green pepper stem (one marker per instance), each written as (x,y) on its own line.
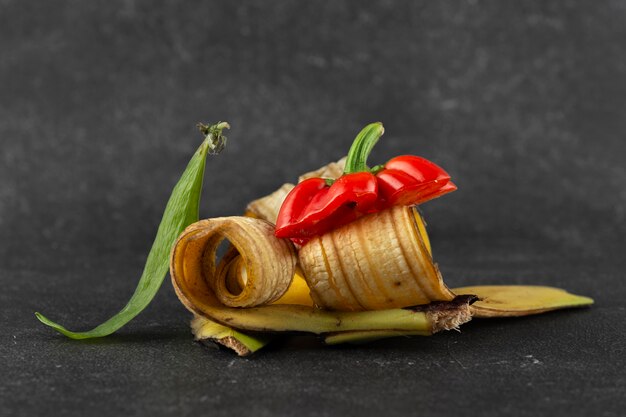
(362,147)
(215,140)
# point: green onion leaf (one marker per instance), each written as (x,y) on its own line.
(182,209)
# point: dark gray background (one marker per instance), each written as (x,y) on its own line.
(524,103)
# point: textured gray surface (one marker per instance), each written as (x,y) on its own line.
(522,102)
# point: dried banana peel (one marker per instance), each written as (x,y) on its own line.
(377,262)
(191,273)
(364,274)
(265,208)
(205,329)
(493,301)
(520,300)
(257,269)
(242,343)
(333,170)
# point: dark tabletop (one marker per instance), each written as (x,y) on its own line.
(524,103)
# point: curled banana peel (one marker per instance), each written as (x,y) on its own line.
(367,276)
(265,208)
(257,268)
(377,262)
(192,270)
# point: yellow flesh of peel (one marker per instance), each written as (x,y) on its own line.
(297,293)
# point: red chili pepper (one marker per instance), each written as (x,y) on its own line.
(318,205)
(408,180)
(313,207)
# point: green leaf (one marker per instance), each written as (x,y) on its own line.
(182,209)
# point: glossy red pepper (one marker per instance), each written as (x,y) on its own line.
(409,180)
(318,205)
(313,207)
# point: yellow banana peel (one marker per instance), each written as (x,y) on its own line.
(354,284)
(520,300)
